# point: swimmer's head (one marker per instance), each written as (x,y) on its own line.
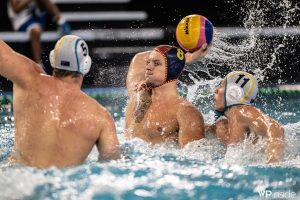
(71,54)
(237,88)
(165,64)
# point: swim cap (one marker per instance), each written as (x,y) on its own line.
(174,60)
(240,88)
(71,53)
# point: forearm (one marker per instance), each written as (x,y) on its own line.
(275,143)
(221,130)
(132,81)
(18,6)
(274,151)
(143,103)
(4,54)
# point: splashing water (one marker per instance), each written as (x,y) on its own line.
(203,169)
(258,52)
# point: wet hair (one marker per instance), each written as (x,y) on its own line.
(60,73)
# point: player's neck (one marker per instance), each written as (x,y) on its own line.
(165,91)
(74,81)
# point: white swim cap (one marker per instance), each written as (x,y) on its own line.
(240,88)
(71,53)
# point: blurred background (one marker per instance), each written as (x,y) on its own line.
(257,36)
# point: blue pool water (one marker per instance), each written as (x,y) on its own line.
(202,170)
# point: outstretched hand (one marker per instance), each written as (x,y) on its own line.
(197,55)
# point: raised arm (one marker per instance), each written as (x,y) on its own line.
(16,67)
(108,143)
(197,55)
(191,125)
(136,72)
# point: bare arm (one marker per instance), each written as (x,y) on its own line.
(16,67)
(191,125)
(273,132)
(108,143)
(143,102)
(222,131)
(197,55)
(136,72)
(18,6)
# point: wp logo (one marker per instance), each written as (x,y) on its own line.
(277,195)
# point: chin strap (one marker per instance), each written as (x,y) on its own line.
(219,114)
(163,83)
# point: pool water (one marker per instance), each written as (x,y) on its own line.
(202,170)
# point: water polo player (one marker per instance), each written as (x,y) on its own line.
(236,118)
(56,124)
(155,112)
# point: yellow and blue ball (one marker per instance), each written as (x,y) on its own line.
(193,31)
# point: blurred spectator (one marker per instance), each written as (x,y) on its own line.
(29,16)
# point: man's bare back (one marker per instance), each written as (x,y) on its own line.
(55,123)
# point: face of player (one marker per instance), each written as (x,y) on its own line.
(219,97)
(155,69)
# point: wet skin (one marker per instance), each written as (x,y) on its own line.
(155,112)
(244,119)
(55,123)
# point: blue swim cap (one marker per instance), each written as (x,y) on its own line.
(175,61)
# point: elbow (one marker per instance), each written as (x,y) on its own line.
(112,154)
(107,157)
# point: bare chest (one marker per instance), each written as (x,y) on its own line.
(158,125)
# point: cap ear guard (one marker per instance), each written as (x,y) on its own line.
(51,58)
(85,65)
(71,54)
(240,88)
(233,94)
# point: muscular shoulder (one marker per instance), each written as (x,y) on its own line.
(99,111)
(250,116)
(94,105)
(246,112)
(187,109)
